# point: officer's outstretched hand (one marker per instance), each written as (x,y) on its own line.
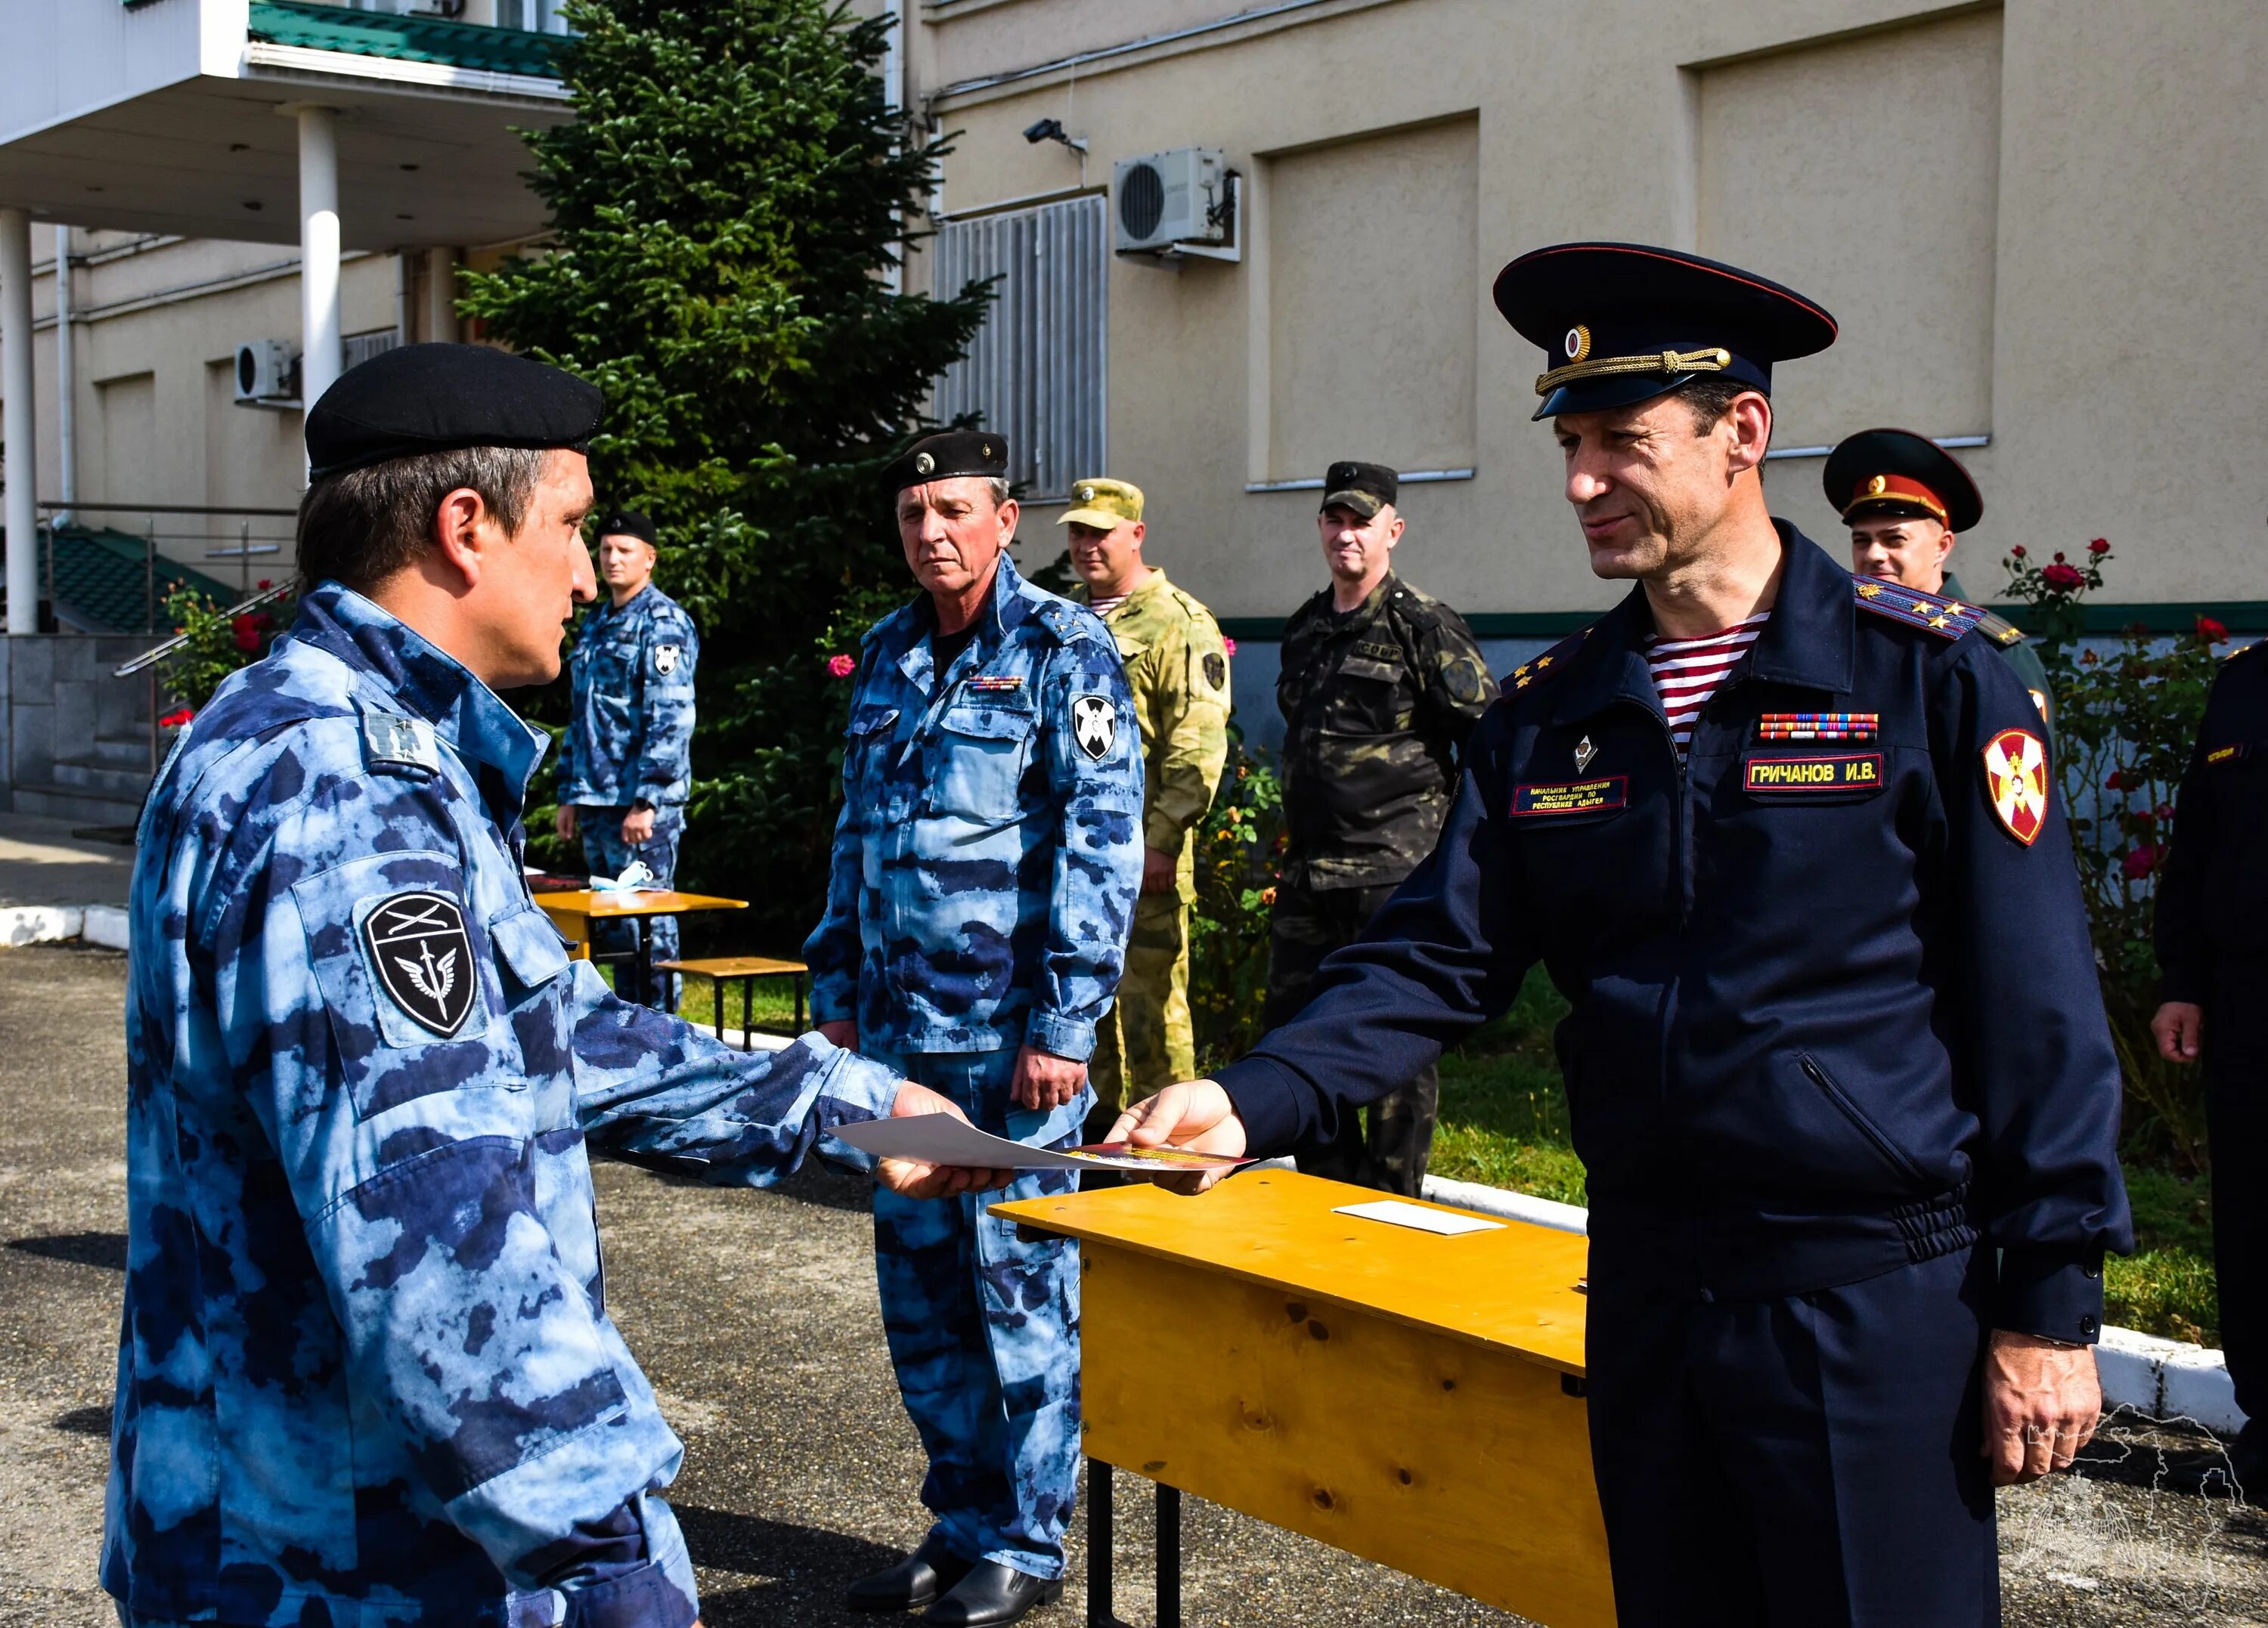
(910,1178)
(1197,1116)
(2041,1402)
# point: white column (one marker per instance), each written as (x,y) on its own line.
(22,445)
(441,294)
(322,355)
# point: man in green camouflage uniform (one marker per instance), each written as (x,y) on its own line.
(1380,685)
(1177,666)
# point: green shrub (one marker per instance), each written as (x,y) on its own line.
(216,644)
(1240,849)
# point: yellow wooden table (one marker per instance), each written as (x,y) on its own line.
(1411,1398)
(573,910)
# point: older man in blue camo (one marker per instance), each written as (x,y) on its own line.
(366,1373)
(625,757)
(984,876)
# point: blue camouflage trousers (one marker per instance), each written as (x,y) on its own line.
(983,1332)
(607,854)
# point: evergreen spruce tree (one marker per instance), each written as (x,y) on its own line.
(723,208)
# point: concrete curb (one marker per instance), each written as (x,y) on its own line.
(39,924)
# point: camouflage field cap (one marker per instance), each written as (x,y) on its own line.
(1366,489)
(1106,505)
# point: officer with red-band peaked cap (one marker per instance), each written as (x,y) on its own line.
(1837,1063)
(1906,500)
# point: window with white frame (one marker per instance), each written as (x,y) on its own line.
(546,16)
(1037,370)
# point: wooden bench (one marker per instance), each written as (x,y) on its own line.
(719,969)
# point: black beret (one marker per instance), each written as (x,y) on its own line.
(1897,472)
(433,398)
(950,452)
(1364,487)
(627,523)
(1622,322)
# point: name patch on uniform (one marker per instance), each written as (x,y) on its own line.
(424,958)
(2224,754)
(1575,797)
(994,684)
(1858,771)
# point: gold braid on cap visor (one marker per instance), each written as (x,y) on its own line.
(1711,361)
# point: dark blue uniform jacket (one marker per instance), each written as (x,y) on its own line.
(1827,1021)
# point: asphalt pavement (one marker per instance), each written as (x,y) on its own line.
(755,1315)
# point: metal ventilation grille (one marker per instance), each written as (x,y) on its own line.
(1141,200)
(1038,370)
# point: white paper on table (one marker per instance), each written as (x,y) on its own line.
(941,1139)
(1394,1213)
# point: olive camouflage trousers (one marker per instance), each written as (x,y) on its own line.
(1390,1153)
(1146,1041)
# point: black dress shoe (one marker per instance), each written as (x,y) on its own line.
(912,1583)
(992,1592)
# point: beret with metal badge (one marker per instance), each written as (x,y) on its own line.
(948,454)
(437,398)
(628,522)
(1621,323)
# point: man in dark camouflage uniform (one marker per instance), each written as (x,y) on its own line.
(1380,685)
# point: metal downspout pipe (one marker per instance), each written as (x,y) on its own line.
(66,383)
(20,446)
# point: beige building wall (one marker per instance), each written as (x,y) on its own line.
(2037,223)
(156,325)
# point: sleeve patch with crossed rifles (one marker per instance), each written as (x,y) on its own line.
(422,956)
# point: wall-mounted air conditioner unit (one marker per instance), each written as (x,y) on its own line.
(1167,201)
(267,372)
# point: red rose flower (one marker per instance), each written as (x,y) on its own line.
(1229,645)
(248,636)
(2063,579)
(2059,558)
(2017,551)
(176,718)
(2100,546)
(2211,631)
(842,666)
(263,584)
(2116,781)
(2139,862)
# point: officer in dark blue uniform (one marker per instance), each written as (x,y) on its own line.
(2213,967)
(1836,1062)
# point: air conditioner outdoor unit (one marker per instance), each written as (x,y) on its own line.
(266,371)
(1169,198)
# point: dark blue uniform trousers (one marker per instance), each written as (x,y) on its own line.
(607,854)
(1806,1463)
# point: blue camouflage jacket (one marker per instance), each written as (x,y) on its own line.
(629,739)
(366,1374)
(989,848)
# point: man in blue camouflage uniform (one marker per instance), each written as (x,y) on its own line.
(984,876)
(366,1374)
(625,757)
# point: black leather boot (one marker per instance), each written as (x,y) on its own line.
(912,1583)
(990,1593)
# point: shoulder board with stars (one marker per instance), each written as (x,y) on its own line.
(1947,619)
(1998,629)
(1552,660)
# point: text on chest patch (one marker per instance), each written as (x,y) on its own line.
(1580,796)
(1852,770)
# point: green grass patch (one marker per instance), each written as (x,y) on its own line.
(2166,1286)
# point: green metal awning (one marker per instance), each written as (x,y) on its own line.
(406,39)
(102,581)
